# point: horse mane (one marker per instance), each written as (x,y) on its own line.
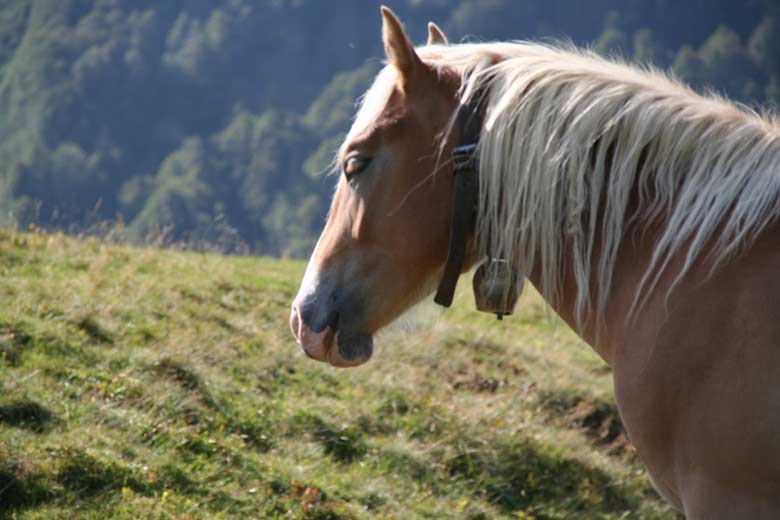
(577,148)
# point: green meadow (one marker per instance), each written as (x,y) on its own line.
(140,383)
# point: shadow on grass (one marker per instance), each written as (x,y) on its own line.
(27,415)
(19,490)
(311,500)
(344,444)
(12,343)
(92,328)
(185,377)
(399,462)
(18,337)
(523,475)
(85,476)
(177,372)
(599,420)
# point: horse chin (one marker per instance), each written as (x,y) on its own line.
(350,349)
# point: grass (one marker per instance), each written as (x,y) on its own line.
(138,383)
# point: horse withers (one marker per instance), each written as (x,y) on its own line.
(645,214)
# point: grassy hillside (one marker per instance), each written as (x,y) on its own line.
(155,384)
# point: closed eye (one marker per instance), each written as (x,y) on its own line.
(355,164)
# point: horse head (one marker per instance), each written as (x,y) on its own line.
(385,240)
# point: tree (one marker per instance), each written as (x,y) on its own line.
(688,66)
(764,44)
(215,117)
(644,47)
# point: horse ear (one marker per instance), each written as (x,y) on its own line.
(399,49)
(436,36)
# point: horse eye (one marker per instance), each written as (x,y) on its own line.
(355,164)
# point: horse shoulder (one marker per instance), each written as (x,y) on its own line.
(695,381)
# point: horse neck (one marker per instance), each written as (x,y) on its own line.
(604,332)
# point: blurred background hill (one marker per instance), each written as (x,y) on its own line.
(210,122)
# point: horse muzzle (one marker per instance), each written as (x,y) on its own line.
(329,343)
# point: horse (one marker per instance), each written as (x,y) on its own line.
(644,213)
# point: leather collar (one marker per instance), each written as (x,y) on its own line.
(465,186)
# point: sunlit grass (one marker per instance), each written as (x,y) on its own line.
(141,383)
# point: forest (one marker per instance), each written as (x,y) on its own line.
(210,124)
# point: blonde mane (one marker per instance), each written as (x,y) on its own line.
(576,148)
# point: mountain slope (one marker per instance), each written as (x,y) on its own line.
(209,119)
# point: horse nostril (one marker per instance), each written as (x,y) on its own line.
(333,321)
(316,312)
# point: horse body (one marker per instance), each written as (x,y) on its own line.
(694,377)
(646,216)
